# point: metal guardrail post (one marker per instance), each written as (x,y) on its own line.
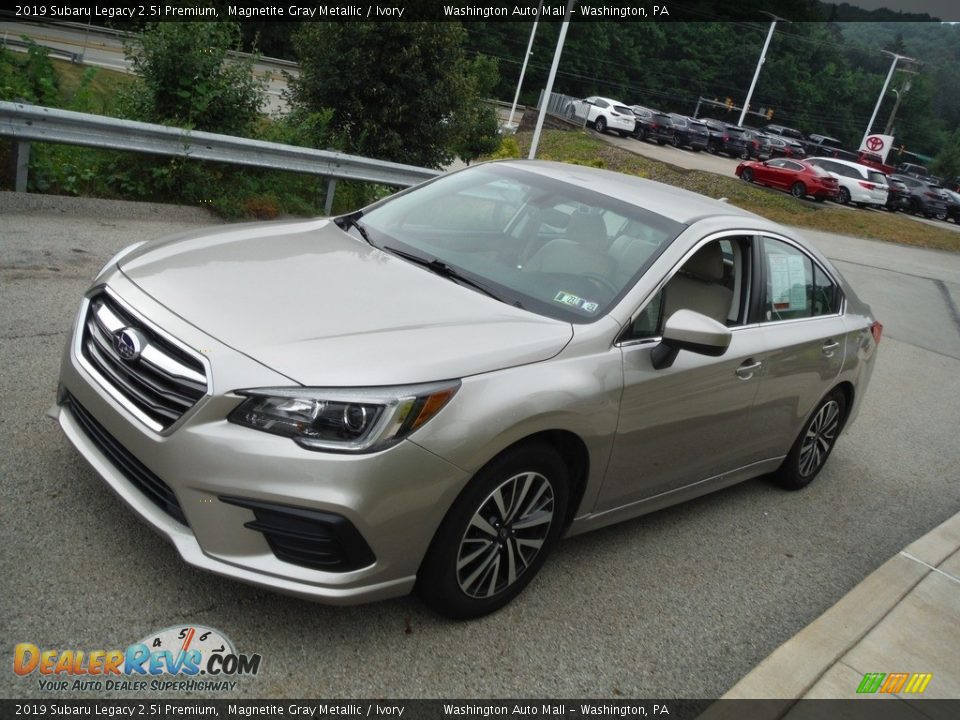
(21,165)
(328,200)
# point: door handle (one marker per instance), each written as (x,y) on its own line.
(746,371)
(829,346)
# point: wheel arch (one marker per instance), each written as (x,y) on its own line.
(572,450)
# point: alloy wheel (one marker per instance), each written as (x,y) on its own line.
(819,438)
(505,534)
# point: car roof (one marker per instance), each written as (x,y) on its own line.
(674,203)
(849,163)
(610,100)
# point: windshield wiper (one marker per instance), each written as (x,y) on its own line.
(353,220)
(443,270)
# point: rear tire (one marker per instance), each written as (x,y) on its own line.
(814,444)
(498,533)
(843,197)
(675,140)
(798,190)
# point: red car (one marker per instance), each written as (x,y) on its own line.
(798,177)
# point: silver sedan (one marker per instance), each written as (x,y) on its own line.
(429,393)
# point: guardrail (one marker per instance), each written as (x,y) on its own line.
(32,123)
(14,42)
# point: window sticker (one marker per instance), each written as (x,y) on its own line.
(574,301)
(788,282)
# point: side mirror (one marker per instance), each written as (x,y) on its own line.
(689,330)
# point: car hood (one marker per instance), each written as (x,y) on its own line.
(324,308)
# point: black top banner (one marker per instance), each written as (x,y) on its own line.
(157,709)
(97,11)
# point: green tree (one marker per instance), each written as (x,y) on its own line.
(399,91)
(947,162)
(186,77)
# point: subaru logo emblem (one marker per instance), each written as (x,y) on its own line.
(129,343)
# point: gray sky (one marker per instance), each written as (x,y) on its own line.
(943,9)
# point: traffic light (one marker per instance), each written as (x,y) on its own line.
(770,114)
(729,103)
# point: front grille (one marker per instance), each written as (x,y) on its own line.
(162,383)
(132,469)
(309,538)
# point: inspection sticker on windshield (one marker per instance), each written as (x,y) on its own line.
(577,302)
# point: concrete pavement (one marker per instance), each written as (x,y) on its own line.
(903,618)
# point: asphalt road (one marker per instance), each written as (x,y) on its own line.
(681,603)
(102,49)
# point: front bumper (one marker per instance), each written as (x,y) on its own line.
(394,499)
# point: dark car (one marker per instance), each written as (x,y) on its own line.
(925,199)
(688,132)
(898,195)
(652,125)
(953,206)
(758,144)
(785,147)
(822,145)
(913,170)
(797,177)
(784,131)
(726,138)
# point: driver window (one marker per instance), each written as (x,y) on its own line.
(713,282)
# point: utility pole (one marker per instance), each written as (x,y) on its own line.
(756,74)
(523,69)
(886,83)
(904,89)
(545,100)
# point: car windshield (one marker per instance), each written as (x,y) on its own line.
(547,246)
(623,109)
(877,177)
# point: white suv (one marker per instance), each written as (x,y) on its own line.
(603,114)
(859,184)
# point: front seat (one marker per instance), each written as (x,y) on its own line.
(583,249)
(697,286)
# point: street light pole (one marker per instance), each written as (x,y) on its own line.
(886,84)
(756,74)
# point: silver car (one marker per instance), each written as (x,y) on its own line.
(428,393)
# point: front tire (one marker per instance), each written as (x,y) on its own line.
(497,534)
(747,175)
(600,124)
(798,190)
(814,444)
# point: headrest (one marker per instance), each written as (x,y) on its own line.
(707,263)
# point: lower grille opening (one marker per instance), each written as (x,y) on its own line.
(309,538)
(156,490)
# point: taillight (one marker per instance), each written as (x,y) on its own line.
(876,329)
(726,138)
(868,186)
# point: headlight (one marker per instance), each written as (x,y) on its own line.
(340,420)
(119,256)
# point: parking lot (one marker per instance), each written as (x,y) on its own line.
(680,603)
(723,165)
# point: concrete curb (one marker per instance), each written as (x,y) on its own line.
(788,673)
(14,202)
